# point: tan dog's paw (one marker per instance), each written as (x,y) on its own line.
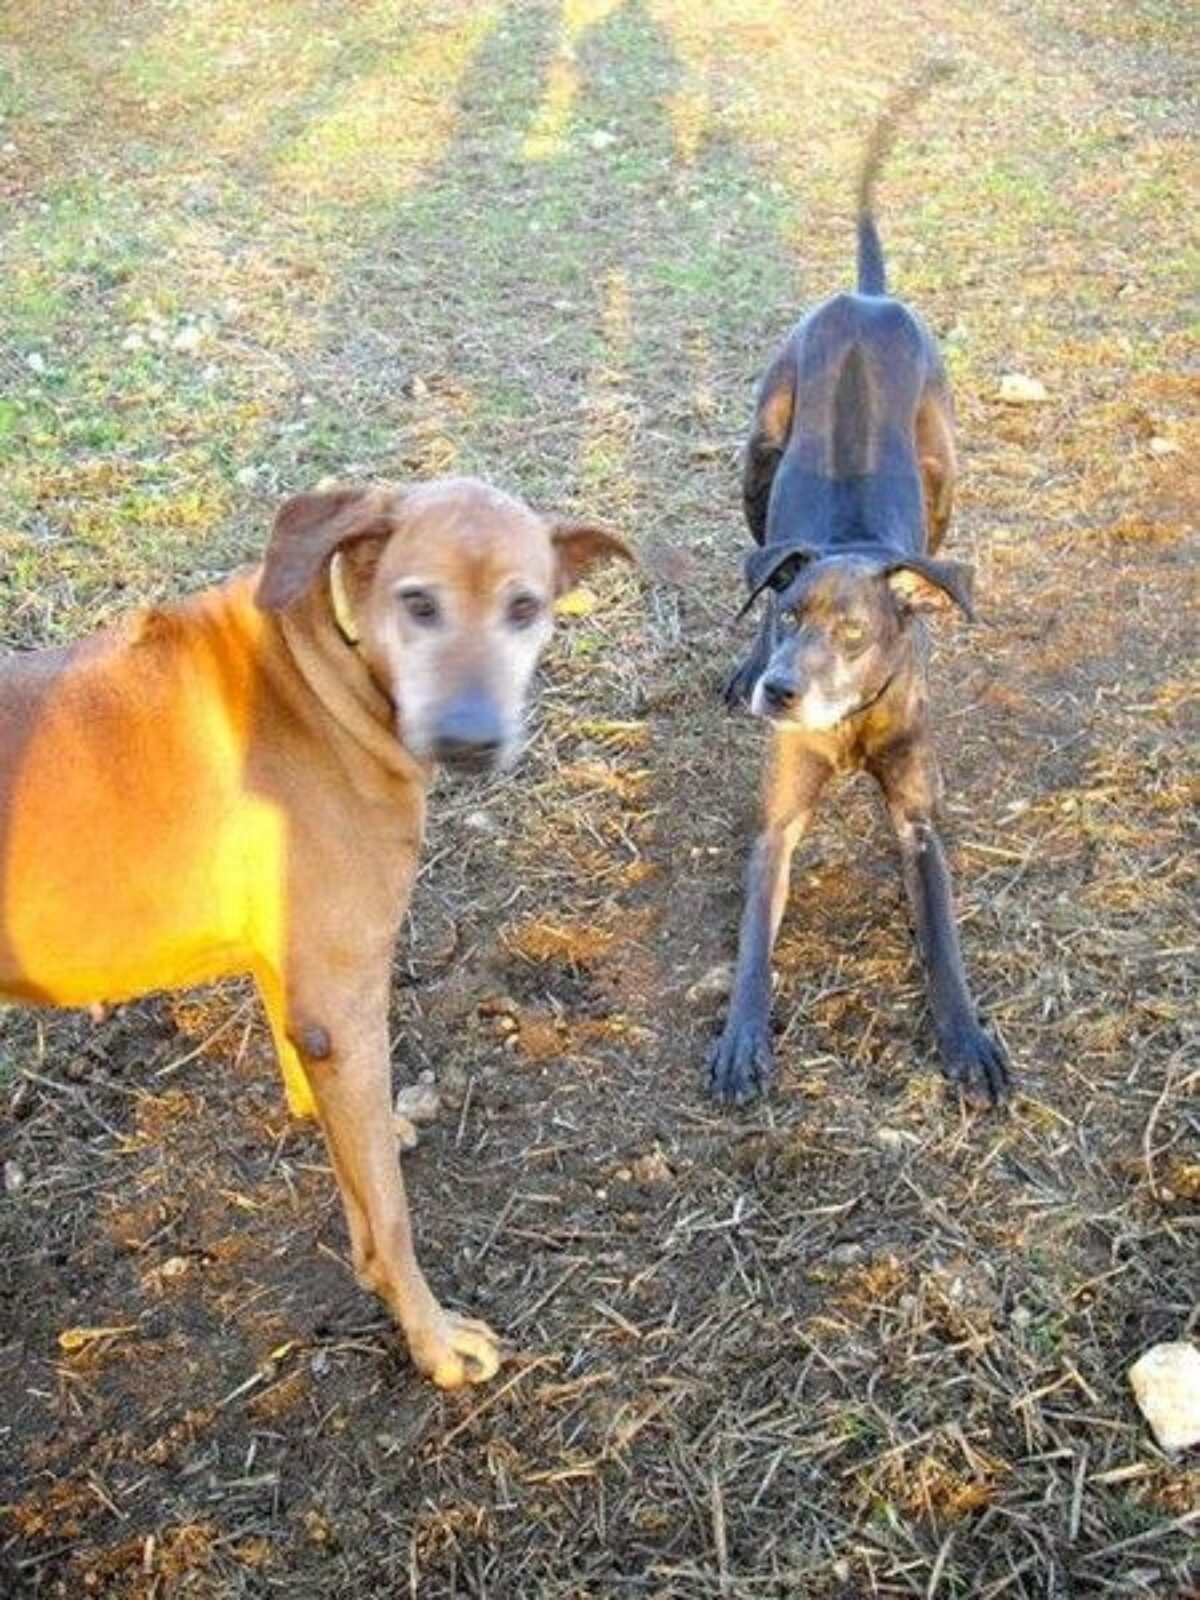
(457,1350)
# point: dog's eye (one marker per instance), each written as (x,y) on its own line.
(421,606)
(523,610)
(852,635)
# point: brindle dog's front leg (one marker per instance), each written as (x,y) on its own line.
(340,1030)
(742,1061)
(969,1055)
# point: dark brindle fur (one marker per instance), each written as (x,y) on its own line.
(847,485)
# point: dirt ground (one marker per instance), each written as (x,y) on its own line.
(857,1341)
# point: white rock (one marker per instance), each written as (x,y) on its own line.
(716,984)
(188,340)
(1161,446)
(418,1102)
(1166,1385)
(36,362)
(1016,389)
(896,1141)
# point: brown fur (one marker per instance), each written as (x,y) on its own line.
(231,785)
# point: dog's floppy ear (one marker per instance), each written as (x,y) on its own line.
(931,587)
(773,566)
(309,528)
(578,546)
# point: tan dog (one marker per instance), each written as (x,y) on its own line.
(236,784)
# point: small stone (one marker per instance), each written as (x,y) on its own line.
(895,1141)
(846,1255)
(1166,1385)
(653,1167)
(602,139)
(453,1083)
(174,1267)
(716,984)
(188,340)
(419,1102)
(36,362)
(14,1178)
(1017,389)
(1159,446)
(481,822)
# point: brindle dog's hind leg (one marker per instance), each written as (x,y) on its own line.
(935,452)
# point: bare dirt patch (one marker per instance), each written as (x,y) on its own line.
(858,1341)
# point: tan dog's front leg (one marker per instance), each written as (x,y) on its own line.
(344,1044)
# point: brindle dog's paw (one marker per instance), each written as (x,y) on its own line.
(977,1063)
(457,1350)
(742,1064)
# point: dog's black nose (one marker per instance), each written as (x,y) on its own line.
(778,694)
(469,734)
(467,755)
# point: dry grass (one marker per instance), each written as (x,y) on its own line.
(857,1342)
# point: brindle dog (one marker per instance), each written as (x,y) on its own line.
(847,485)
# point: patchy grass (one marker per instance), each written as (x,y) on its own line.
(856,1342)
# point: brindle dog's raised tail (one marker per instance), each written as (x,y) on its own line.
(872,274)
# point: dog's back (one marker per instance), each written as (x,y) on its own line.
(121,766)
(845,414)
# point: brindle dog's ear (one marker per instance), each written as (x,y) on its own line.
(578,546)
(773,566)
(931,587)
(309,528)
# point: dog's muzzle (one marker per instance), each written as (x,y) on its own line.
(470,735)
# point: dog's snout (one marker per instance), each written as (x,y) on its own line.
(470,733)
(779,694)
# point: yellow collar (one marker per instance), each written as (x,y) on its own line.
(343,611)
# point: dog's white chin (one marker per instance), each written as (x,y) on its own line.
(820,714)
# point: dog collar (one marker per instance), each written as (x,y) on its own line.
(339,600)
(866,704)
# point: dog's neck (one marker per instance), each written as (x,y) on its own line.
(325,648)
